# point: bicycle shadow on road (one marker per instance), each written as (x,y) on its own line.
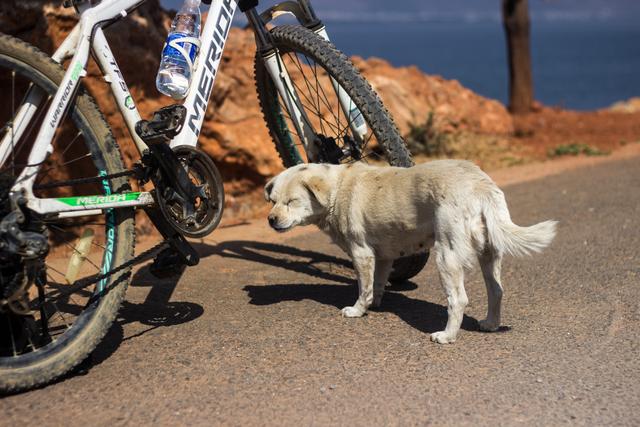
(154,312)
(311,263)
(424,316)
(158,311)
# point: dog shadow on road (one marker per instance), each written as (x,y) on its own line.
(425,316)
(422,315)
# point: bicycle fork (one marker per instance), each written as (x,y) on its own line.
(305,15)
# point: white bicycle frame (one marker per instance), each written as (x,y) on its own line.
(88,36)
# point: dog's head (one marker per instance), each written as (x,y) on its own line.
(300,196)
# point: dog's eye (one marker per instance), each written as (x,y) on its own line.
(292,202)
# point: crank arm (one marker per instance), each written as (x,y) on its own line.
(175,239)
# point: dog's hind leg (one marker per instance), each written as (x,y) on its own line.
(491,263)
(364,262)
(451,269)
(381,276)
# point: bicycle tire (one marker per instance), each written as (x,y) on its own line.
(57,358)
(298,39)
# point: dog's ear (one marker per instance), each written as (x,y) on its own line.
(319,188)
(268,188)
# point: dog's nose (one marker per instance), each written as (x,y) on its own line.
(272,221)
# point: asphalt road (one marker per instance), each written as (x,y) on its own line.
(253,335)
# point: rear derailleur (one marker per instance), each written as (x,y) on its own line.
(23,247)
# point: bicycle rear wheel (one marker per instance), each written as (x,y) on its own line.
(314,67)
(46,331)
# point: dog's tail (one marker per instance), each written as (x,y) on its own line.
(506,237)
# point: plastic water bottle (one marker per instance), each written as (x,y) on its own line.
(180,51)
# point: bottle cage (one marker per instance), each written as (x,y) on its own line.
(175,43)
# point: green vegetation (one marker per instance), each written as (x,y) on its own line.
(575,149)
(423,138)
(512,161)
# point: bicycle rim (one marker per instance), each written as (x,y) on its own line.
(55,317)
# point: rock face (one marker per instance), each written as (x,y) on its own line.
(412,95)
(631,105)
(234,133)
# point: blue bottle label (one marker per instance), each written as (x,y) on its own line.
(192,49)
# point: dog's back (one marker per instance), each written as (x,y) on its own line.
(446,196)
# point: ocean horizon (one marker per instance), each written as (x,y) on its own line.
(577,64)
(583,58)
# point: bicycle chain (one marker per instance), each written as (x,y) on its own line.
(138,171)
(148,254)
(98,179)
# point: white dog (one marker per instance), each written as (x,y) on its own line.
(378,214)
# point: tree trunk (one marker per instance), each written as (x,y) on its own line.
(515,18)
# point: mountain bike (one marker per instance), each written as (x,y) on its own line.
(67,205)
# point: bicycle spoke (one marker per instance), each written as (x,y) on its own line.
(67,232)
(317,111)
(299,66)
(309,110)
(13,117)
(13,340)
(69,245)
(84,156)
(70,144)
(325,100)
(309,89)
(60,314)
(324,94)
(31,344)
(49,267)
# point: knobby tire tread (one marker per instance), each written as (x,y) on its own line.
(65,359)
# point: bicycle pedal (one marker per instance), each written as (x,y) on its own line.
(166,123)
(168,263)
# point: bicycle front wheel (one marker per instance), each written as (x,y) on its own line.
(316,69)
(47,330)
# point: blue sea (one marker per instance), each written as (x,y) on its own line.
(580,65)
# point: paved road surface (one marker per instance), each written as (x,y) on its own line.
(253,335)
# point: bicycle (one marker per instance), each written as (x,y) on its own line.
(66,204)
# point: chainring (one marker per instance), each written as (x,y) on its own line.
(197,219)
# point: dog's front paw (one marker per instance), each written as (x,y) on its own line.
(352,312)
(488,326)
(443,337)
